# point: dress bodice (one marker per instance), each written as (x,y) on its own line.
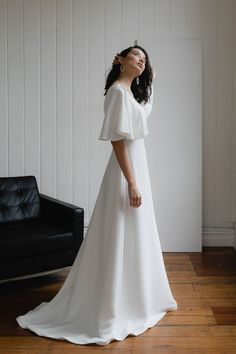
(124,116)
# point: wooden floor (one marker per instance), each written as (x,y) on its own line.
(203,284)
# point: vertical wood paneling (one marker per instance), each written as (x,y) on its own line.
(178,19)
(161,19)
(15,87)
(64,142)
(224,110)
(54,59)
(233,136)
(48,97)
(209,109)
(194,18)
(112,46)
(145,19)
(32,88)
(80,101)
(3,90)
(129,23)
(113,27)
(96,91)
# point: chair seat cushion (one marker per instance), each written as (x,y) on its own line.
(32,238)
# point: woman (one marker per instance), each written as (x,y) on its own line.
(118,284)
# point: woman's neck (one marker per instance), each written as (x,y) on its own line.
(125,80)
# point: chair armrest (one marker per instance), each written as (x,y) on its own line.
(65,214)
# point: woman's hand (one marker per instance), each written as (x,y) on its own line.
(134,196)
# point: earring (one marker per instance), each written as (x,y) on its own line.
(137,80)
(122,67)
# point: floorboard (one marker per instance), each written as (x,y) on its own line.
(204,285)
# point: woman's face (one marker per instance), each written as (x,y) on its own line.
(135,61)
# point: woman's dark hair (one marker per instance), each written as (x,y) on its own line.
(143,90)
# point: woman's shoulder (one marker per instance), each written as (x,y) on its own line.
(115,86)
(114,91)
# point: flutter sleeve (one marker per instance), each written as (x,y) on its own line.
(116,124)
(148,106)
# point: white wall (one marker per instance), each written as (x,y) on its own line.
(174,144)
(54,56)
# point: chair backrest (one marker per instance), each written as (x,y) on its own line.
(19,199)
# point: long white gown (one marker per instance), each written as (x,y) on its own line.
(118,284)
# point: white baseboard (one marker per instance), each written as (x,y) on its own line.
(219,234)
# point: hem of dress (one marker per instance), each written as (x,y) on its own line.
(96,340)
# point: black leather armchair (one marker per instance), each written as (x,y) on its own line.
(37,233)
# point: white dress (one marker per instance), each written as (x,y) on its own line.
(118,284)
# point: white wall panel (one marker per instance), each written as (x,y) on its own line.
(209,109)
(161,10)
(96,90)
(194,18)
(48,70)
(80,102)
(64,141)
(233,136)
(3,90)
(178,19)
(113,38)
(32,88)
(15,74)
(129,22)
(174,144)
(224,106)
(145,19)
